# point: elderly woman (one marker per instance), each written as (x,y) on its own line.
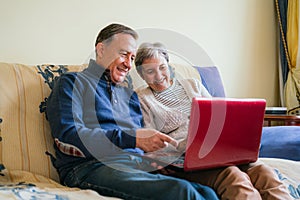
(166,106)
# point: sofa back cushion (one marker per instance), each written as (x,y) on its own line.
(212,80)
(25,131)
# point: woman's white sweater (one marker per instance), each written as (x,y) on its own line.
(166,119)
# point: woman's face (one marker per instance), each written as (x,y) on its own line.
(156,73)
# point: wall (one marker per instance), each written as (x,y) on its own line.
(238,35)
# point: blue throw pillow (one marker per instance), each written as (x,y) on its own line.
(211,79)
(281,142)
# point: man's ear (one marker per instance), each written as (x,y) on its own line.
(99,49)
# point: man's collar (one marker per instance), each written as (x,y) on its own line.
(96,69)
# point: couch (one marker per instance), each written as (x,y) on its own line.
(25,138)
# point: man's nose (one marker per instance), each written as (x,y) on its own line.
(128,63)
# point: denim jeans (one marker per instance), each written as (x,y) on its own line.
(124,176)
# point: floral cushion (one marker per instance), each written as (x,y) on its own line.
(288,172)
(25,132)
(23,185)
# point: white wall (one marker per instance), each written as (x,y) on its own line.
(238,35)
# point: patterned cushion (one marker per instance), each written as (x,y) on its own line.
(25,131)
(18,184)
(19,177)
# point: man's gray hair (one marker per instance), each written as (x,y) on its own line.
(107,33)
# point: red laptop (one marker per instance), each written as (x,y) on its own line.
(222,132)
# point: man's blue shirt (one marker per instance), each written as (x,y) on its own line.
(91,117)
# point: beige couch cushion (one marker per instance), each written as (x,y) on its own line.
(25,132)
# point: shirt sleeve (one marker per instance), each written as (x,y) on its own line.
(72,136)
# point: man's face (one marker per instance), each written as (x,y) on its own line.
(117,56)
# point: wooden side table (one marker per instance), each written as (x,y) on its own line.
(288,120)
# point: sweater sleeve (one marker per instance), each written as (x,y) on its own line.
(147,111)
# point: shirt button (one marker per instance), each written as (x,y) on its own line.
(115,101)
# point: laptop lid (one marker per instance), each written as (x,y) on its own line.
(223,132)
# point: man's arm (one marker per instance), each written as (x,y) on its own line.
(65,113)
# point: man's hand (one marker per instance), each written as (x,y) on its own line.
(152,140)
